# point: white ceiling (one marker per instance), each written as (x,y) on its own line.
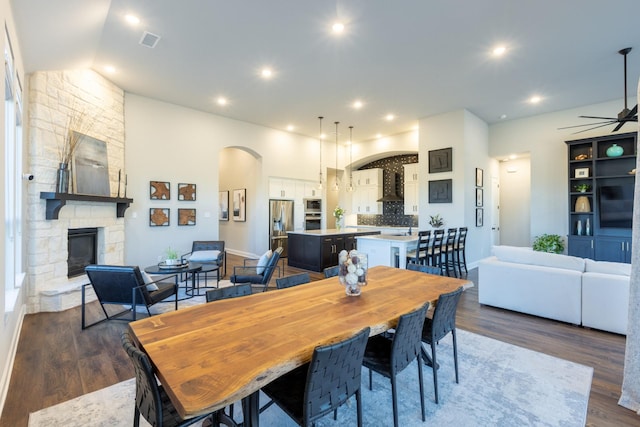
(412,58)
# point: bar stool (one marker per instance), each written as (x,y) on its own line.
(435,250)
(448,251)
(460,259)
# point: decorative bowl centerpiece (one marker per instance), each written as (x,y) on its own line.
(353,271)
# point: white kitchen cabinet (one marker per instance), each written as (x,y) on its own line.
(411,189)
(282,188)
(311,190)
(367,190)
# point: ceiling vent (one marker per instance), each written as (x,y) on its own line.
(149,39)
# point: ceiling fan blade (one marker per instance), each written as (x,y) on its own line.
(597,117)
(588,124)
(595,127)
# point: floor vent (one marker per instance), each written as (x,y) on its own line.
(149,39)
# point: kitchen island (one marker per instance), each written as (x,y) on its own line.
(381,249)
(316,250)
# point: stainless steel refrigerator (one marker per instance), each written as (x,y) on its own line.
(280,221)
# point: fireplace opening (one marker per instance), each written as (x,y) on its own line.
(82,249)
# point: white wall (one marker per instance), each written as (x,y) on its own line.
(540,137)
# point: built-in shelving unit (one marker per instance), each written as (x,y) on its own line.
(602,229)
(55,202)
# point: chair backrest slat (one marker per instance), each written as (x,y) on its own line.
(444,315)
(290,281)
(429,269)
(331,271)
(228,292)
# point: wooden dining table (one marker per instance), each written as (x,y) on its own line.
(211,355)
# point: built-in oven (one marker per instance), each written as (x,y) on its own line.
(312,221)
(312,206)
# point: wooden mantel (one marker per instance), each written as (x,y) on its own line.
(55,202)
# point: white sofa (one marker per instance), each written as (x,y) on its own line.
(561,287)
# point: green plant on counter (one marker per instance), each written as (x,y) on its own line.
(552,243)
(583,187)
(338,212)
(436,221)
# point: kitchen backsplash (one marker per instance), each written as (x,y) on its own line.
(393,212)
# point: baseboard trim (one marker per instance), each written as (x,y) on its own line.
(8,367)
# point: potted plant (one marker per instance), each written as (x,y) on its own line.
(436,221)
(172,257)
(552,243)
(338,213)
(582,188)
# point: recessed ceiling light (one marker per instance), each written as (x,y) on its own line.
(513,157)
(110,69)
(337,27)
(132,19)
(499,51)
(266,73)
(535,99)
(389,117)
(323,136)
(222,100)
(502,117)
(290,128)
(357,104)
(378,135)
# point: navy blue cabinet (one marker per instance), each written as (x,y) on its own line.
(601,181)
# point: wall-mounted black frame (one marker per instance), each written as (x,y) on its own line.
(441,191)
(441,160)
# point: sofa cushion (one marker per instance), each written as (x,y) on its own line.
(204,256)
(605,267)
(528,256)
(262,262)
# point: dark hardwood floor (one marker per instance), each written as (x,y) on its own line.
(57,361)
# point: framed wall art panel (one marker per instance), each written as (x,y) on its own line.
(187,192)
(186,217)
(223,206)
(159,217)
(239,204)
(440,191)
(441,160)
(159,190)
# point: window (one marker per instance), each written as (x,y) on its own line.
(13,184)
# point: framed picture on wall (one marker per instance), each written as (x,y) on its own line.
(239,204)
(159,190)
(479,217)
(187,192)
(479,177)
(159,217)
(440,160)
(479,197)
(440,191)
(223,206)
(186,217)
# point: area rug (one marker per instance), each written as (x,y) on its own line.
(500,385)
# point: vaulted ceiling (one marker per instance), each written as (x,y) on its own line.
(409,58)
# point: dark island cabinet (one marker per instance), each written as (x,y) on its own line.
(316,252)
(601,181)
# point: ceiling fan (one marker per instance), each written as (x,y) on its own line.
(624,116)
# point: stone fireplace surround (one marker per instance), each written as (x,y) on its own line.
(53,97)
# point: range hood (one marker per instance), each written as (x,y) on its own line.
(392,196)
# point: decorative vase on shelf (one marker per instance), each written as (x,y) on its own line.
(587,228)
(615,150)
(62,178)
(579,228)
(583,204)
(352,273)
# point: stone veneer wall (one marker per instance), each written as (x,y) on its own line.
(53,98)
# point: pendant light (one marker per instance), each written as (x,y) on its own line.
(336,187)
(350,187)
(320,139)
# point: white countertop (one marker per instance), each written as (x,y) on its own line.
(391,237)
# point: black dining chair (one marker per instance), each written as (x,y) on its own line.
(389,354)
(294,280)
(228,292)
(448,252)
(443,322)
(320,387)
(460,257)
(331,271)
(429,269)
(152,401)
